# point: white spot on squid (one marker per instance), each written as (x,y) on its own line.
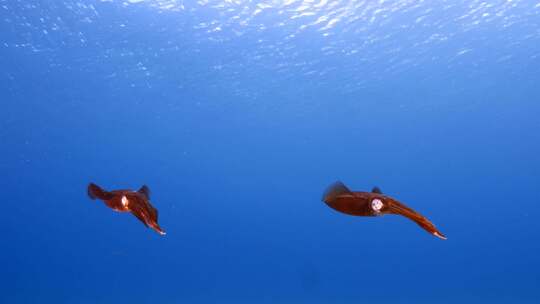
(125,201)
(376,205)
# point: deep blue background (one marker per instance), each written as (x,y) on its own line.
(237,136)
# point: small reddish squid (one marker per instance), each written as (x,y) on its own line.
(136,202)
(373,203)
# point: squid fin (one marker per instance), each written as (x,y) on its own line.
(144,190)
(95,192)
(335,190)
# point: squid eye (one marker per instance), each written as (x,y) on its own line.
(377,205)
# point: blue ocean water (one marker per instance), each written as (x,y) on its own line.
(238,114)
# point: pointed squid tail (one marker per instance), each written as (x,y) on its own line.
(396,207)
